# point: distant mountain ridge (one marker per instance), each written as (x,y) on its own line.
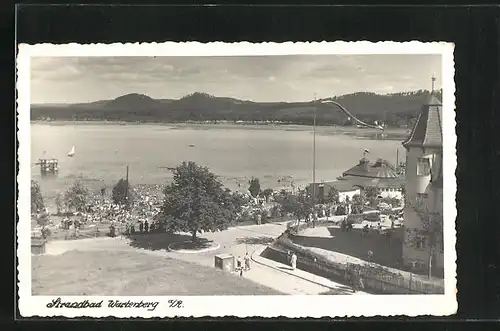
(396,109)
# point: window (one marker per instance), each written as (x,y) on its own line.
(423,167)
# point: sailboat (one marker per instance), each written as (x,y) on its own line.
(71,152)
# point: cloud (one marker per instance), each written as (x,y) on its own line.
(259,78)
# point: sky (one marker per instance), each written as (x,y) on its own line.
(256,78)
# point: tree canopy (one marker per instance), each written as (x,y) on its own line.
(298,204)
(397,109)
(358,204)
(333,196)
(77,197)
(254,187)
(267,193)
(122,194)
(196,200)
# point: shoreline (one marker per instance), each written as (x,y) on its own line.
(246,125)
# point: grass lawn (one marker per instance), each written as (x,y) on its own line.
(133,273)
(385,252)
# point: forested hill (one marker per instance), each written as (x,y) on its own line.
(398,109)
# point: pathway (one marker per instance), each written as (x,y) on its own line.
(236,241)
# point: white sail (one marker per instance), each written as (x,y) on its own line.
(72,151)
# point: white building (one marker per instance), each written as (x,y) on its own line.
(424,187)
(346,189)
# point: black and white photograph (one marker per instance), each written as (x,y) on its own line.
(297,180)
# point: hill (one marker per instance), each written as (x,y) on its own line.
(397,109)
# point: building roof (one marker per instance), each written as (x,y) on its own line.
(427,131)
(378,169)
(342,185)
(352,183)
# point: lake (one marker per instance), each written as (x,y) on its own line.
(233,152)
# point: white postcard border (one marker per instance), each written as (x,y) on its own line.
(240,306)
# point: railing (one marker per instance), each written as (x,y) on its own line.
(375,279)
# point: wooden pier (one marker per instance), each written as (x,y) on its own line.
(48,166)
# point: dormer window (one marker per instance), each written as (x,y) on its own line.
(423,167)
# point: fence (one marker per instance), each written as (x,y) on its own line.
(376,279)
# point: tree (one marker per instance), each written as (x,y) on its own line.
(254,187)
(122,194)
(358,204)
(431,229)
(298,204)
(371,194)
(267,193)
(196,200)
(37,202)
(76,197)
(333,196)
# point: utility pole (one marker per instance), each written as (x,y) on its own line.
(314,159)
(126,190)
(397,158)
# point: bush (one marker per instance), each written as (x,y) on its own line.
(341,210)
(394,202)
(275,212)
(46,233)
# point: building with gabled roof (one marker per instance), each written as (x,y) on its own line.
(379,174)
(379,169)
(424,188)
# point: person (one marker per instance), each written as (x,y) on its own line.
(146,226)
(294,261)
(141,226)
(370,255)
(112,230)
(361,285)
(127,228)
(247,261)
(353,281)
(239,265)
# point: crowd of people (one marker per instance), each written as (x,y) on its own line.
(100,209)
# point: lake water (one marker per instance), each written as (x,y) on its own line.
(233,152)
